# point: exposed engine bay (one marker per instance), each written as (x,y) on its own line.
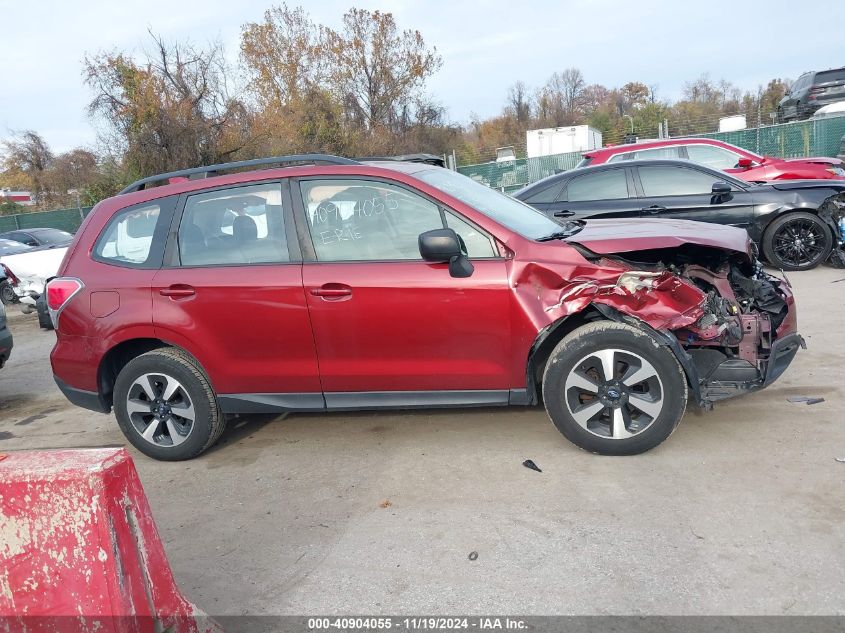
(742,311)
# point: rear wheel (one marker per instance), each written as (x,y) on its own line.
(797,241)
(7,293)
(612,389)
(165,406)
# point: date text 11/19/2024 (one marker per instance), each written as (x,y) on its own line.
(481,623)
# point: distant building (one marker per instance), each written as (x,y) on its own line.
(20,197)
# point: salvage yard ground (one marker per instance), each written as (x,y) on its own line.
(741,511)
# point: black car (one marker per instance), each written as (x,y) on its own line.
(810,92)
(794,222)
(39,237)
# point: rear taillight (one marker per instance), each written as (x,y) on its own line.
(59,291)
(10,275)
(815,90)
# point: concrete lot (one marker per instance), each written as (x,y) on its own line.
(741,511)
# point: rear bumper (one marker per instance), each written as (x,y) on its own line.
(81,398)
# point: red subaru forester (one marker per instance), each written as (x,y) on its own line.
(314,283)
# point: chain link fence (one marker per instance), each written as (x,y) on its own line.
(800,139)
(64,219)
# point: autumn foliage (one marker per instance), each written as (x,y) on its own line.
(299,86)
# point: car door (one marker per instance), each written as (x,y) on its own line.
(230,293)
(685,192)
(600,193)
(390,328)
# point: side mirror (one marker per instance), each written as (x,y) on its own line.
(745,163)
(445,246)
(721,191)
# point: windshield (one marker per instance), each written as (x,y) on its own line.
(512,213)
(830,75)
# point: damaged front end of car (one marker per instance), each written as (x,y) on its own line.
(833,213)
(731,325)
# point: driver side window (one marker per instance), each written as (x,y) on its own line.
(364,220)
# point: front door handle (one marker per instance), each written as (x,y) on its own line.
(653,210)
(178,291)
(564,213)
(332,292)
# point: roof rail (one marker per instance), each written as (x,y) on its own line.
(213,170)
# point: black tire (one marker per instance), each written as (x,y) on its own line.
(7,293)
(44,319)
(816,241)
(668,386)
(170,363)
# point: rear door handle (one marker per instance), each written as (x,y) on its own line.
(177,291)
(332,291)
(652,210)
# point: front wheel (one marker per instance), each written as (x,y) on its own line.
(797,241)
(612,389)
(165,406)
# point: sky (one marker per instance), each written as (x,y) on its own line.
(486,46)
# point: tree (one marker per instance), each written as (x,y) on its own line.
(283,56)
(376,70)
(72,170)
(518,104)
(26,160)
(559,100)
(636,94)
(170,112)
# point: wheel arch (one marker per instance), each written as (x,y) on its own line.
(546,340)
(121,354)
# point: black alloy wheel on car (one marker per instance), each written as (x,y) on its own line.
(797,241)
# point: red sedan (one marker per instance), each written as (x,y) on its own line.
(724,156)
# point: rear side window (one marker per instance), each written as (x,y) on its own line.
(547,195)
(128,237)
(658,152)
(237,226)
(606,185)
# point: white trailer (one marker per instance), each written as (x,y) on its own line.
(732,123)
(561,140)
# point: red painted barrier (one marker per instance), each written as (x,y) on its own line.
(79,550)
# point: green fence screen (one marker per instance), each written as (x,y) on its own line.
(789,140)
(64,219)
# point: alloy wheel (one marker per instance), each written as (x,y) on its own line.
(614,393)
(160,409)
(799,242)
